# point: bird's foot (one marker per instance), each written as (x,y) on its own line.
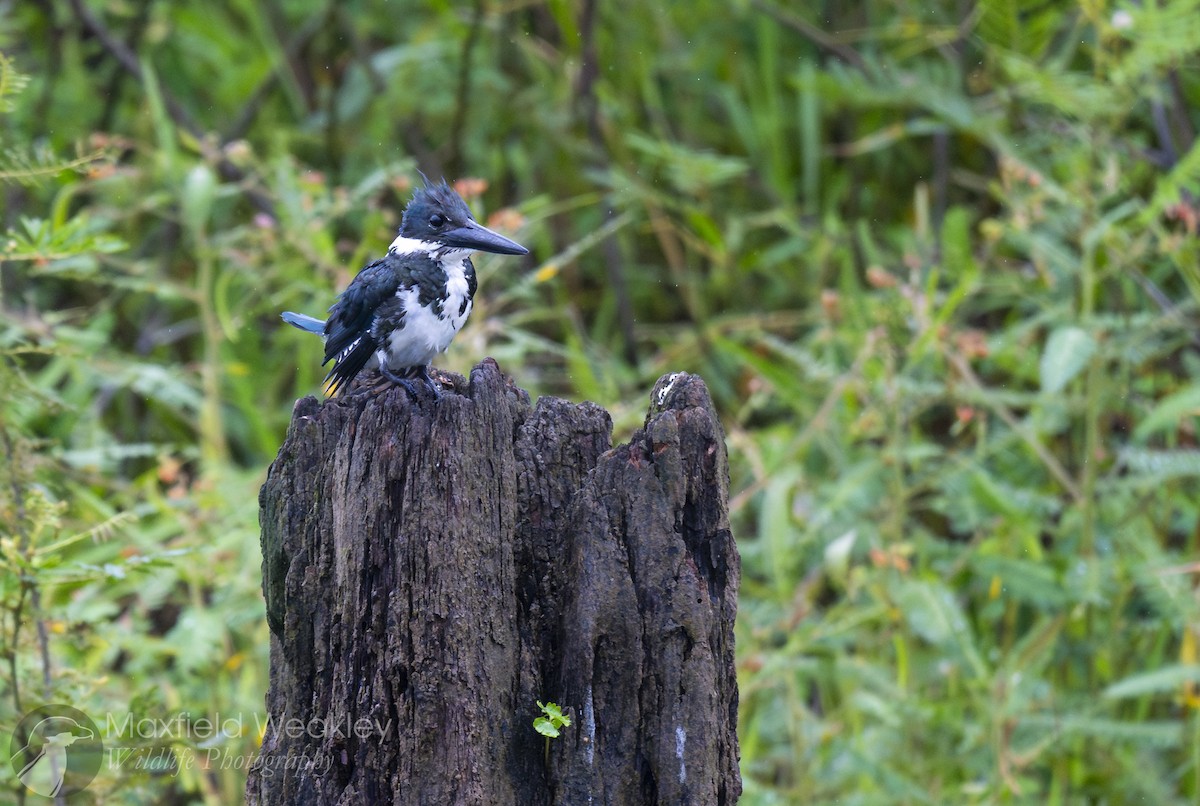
(408,383)
(434,386)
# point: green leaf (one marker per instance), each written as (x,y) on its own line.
(554,719)
(160,384)
(1162,465)
(1067,352)
(107,457)
(689,170)
(1035,583)
(931,610)
(199,192)
(11,83)
(1160,681)
(42,240)
(1166,416)
(934,613)
(1157,733)
(554,712)
(837,555)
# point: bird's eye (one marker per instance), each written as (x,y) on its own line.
(436,220)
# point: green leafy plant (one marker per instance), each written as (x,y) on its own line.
(550,723)
(552,720)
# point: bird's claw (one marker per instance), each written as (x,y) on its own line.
(434,386)
(409,386)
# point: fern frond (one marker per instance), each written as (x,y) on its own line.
(42,241)
(1025,27)
(1163,36)
(1073,92)
(1160,466)
(1185,175)
(11,82)
(100,532)
(31,167)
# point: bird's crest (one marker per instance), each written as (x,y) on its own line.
(440,197)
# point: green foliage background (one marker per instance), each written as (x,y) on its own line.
(936,261)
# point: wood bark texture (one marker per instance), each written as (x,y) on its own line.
(433,568)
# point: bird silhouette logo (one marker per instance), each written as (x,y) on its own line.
(55,750)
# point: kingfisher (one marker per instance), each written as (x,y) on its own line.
(405,308)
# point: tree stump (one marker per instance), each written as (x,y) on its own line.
(432,569)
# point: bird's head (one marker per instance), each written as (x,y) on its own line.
(438,221)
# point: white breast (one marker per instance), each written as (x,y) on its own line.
(425,333)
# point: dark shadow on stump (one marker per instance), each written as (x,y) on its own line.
(432,569)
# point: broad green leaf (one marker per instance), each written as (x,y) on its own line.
(931,610)
(196,199)
(1034,583)
(837,555)
(1162,465)
(690,170)
(1157,733)
(1160,681)
(1166,416)
(545,727)
(1067,352)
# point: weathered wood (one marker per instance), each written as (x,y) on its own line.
(431,569)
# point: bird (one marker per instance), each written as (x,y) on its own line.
(405,308)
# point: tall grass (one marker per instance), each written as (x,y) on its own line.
(937,265)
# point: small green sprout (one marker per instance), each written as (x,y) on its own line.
(552,720)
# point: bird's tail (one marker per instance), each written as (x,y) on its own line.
(305,323)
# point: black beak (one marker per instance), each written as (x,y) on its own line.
(474,235)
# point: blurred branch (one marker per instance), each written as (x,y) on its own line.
(30,172)
(589,109)
(29,586)
(333,145)
(179,114)
(820,419)
(942,158)
(17,609)
(1169,152)
(1170,310)
(112,93)
(129,60)
(1028,437)
(463,94)
(254,103)
(295,68)
(409,133)
(942,162)
(812,33)
(589,69)
(360,49)
(1162,127)
(1182,107)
